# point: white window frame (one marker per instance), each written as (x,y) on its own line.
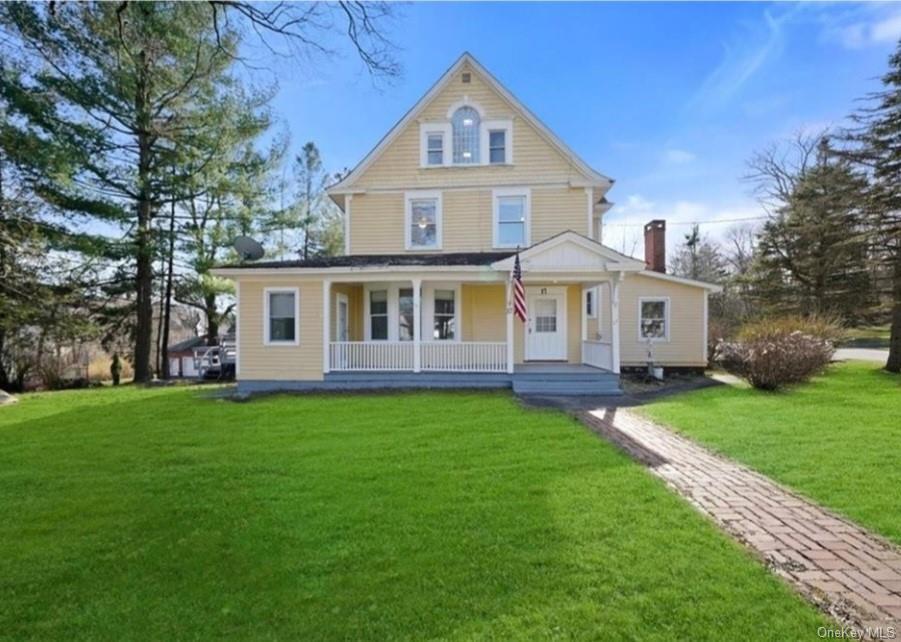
(667,311)
(409,197)
(496,195)
(594,303)
(489,126)
(266,325)
(428,311)
(434,128)
(391,291)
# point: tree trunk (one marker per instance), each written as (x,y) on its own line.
(893,364)
(167,311)
(144,272)
(212,319)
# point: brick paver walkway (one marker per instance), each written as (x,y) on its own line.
(848,572)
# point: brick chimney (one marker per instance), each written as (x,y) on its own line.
(655,245)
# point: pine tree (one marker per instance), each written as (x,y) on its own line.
(812,255)
(876,147)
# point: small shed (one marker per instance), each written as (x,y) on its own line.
(181,357)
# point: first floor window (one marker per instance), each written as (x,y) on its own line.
(282,322)
(511,221)
(652,323)
(497,146)
(378,315)
(405,314)
(435,148)
(444,315)
(423,214)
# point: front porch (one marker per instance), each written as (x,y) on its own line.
(425,326)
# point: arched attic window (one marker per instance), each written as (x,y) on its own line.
(465,123)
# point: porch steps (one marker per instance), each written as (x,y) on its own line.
(566,383)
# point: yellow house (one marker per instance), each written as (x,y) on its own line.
(434,216)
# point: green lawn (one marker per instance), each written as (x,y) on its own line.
(135,514)
(836,439)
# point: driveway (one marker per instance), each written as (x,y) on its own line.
(861,354)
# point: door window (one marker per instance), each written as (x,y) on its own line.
(545,315)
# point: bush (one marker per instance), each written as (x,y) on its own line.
(773,353)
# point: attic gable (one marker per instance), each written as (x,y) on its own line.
(394,162)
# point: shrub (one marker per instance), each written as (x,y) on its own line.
(772,353)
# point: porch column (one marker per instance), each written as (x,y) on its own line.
(614,319)
(326,323)
(417,323)
(510,325)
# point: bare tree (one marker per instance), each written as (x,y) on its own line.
(774,171)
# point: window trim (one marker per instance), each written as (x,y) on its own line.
(409,197)
(666,318)
(367,309)
(434,128)
(266,325)
(496,194)
(428,310)
(504,125)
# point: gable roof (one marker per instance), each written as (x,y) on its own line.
(590,174)
(581,248)
(712,287)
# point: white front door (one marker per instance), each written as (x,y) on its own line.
(546,330)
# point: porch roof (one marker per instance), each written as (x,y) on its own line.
(383,260)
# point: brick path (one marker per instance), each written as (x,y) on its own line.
(851,574)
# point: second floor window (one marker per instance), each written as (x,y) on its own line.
(423,221)
(511,218)
(466,133)
(497,146)
(435,151)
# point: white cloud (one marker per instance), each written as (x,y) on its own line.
(744,54)
(867,26)
(678,156)
(624,224)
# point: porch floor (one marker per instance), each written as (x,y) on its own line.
(557,379)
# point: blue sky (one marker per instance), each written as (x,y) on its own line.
(669,99)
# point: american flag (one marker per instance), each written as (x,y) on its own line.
(519,292)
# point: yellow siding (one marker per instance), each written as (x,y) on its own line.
(377,219)
(257,361)
(377,213)
(535,160)
(686,346)
(484,312)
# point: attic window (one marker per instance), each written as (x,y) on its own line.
(466,77)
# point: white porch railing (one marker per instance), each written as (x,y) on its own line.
(464,356)
(598,354)
(371,355)
(435,356)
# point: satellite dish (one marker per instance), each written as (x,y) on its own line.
(248,248)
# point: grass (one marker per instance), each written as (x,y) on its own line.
(836,439)
(154,514)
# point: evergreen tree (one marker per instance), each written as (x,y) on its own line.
(876,147)
(812,255)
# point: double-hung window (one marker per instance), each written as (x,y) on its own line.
(435,148)
(378,315)
(423,216)
(497,146)
(653,321)
(444,315)
(281,310)
(511,218)
(405,314)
